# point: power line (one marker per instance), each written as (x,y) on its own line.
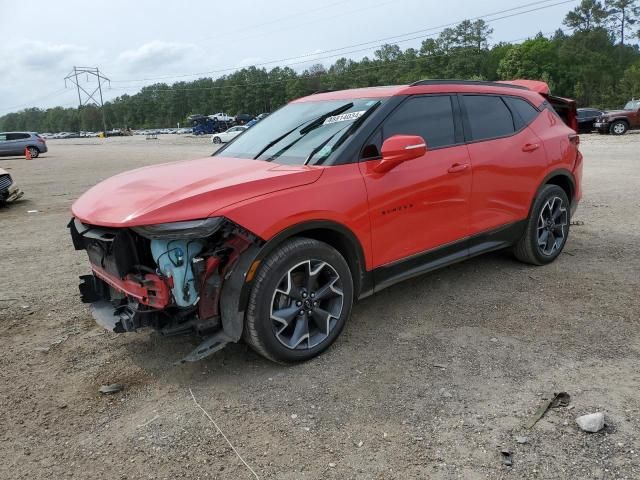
(342,53)
(358,70)
(369,43)
(277,20)
(35,100)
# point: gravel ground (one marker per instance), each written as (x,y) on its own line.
(430,379)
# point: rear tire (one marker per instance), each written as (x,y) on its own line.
(34,152)
(547,227)
(300,301)
(618,127)
(217,140)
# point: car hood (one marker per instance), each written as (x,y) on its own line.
(185,190)
(616,113)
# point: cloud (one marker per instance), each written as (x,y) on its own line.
(248,62)
(157,55)
(39,56)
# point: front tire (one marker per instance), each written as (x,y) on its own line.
(618,127)
(300,301)
(547,227)
(217,140)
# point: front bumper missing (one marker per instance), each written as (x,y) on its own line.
(117,319)
(125,302)
(12,194)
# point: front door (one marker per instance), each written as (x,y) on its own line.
(423,203)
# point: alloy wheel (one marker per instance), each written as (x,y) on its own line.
(618,128)
(306,304)
(552,226)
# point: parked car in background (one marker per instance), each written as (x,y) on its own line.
(586,119)
(222,117)
(9,191)
(15,143)
(228,135)
(243,118)
(65,135)
(618,122)
(330,199)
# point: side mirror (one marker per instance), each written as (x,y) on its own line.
(398,149)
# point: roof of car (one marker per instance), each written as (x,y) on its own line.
(525,88)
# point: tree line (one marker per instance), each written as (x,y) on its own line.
(596,61)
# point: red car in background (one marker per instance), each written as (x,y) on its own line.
(329,199)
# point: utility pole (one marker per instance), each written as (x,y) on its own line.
(89,98)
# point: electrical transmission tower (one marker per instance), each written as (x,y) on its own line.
(89,98)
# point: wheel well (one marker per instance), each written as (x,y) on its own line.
(343,244)
(625,120)
(563,182)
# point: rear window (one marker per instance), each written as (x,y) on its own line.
(488,117)
(17,136)
(524,112)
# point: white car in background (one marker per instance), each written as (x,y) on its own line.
(227,136)
(222,117)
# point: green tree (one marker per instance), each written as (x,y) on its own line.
(622,15)
(589,14)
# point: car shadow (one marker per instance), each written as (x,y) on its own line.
(160,356)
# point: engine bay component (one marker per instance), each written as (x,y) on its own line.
(174,260)
(145,277)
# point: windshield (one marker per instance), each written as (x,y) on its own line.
(632,105)
(301,133)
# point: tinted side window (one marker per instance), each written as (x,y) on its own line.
(488,117)
(522,109)
(431,117)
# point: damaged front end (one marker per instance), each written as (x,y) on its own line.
(177,278)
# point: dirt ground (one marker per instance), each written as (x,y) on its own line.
(430,379)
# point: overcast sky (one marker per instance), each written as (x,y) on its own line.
(133,40)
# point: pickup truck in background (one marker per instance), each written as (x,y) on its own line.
(618,122)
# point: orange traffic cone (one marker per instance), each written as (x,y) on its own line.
(27,154)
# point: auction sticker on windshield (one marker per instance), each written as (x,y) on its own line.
(344,117)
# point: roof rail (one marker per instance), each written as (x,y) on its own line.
(328,90)
(467,82)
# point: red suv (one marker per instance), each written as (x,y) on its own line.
(332,198)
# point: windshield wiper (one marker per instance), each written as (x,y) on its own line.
(273,142)
(352,128)
(314,124)
(318,148)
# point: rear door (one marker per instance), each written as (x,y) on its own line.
(423,203)
(507,157)
(16,143)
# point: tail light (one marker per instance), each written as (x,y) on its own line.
(574,139)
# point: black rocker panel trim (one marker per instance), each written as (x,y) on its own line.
(392,273)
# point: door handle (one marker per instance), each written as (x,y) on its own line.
(458,167)
(530,147)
